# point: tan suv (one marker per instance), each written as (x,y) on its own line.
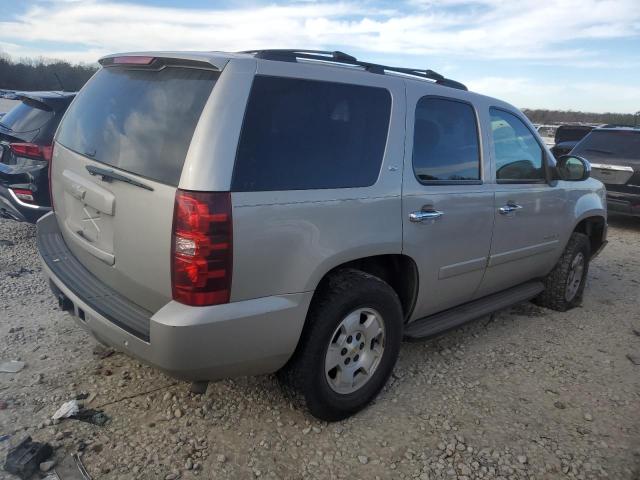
(222,214)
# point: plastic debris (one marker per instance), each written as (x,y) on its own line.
(71,468)
(89,415)
(67,410)
(11,366)
(25,458)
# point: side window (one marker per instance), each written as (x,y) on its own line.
(519,157)
(445,141)
(306,134)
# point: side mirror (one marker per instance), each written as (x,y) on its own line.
(573,168)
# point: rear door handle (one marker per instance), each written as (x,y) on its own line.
(509,208)
(424,215)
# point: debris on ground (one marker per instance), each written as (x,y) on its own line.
(6,243)
(19,273)
(25,458)
(635,359)
(74,409)
(103,352)
(11,366)
(71,468)
(96,417)
(66,410)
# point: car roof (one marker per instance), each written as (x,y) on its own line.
(219,60)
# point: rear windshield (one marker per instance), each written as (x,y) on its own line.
(603,143)
(138,120)
(568,134)
(27,116)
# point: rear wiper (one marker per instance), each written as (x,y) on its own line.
(110,176)
(598,150)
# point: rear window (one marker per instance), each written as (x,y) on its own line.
(138,120)
(27,116)
(570,134)
(306,134)
(608,143)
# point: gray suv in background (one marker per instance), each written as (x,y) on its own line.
(301,212)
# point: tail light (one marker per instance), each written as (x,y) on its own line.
(23,194)
(49,178)
(32,150)
(201,248)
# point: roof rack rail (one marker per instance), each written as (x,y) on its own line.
(291,55)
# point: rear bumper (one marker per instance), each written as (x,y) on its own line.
(12,207)
(623,203)
(195,343)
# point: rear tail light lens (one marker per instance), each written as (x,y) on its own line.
(49,177)
(201,248)
(23,194)
(32,150)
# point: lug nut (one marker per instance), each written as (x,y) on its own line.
(347,361)
(349,339)
(343,351)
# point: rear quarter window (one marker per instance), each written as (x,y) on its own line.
(138,120)
(306,134)
(27,116)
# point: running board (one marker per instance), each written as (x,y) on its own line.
(441,322)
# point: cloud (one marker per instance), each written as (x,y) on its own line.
(479,29)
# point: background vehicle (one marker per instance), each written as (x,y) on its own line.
(26,137)
(548,134)
(567,137)
(234,214)
(614,154)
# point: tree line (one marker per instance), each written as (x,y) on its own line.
(569,116)
(45,74)
(30,74)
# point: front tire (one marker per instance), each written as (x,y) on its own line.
(564,286)
(349,345)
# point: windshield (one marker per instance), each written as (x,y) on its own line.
(27,116)
(613,143)
(138,120)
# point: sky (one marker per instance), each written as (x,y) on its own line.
(555,54)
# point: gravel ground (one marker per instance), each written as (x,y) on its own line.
(528,393)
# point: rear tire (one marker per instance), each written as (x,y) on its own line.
(564,286)
(348,347)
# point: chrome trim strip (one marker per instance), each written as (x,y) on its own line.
(24,204)
(605,166)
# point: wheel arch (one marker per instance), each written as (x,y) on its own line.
(594,226)
(398,270)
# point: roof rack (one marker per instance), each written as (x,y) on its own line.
(288,55)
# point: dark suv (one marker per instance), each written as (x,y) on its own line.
(567,137)
(614,154)
(26,137)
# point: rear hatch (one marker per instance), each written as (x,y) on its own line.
(118,157)
(614,156)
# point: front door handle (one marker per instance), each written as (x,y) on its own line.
(509,208)
(424,215)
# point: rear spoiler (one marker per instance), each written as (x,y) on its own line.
(45,102)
